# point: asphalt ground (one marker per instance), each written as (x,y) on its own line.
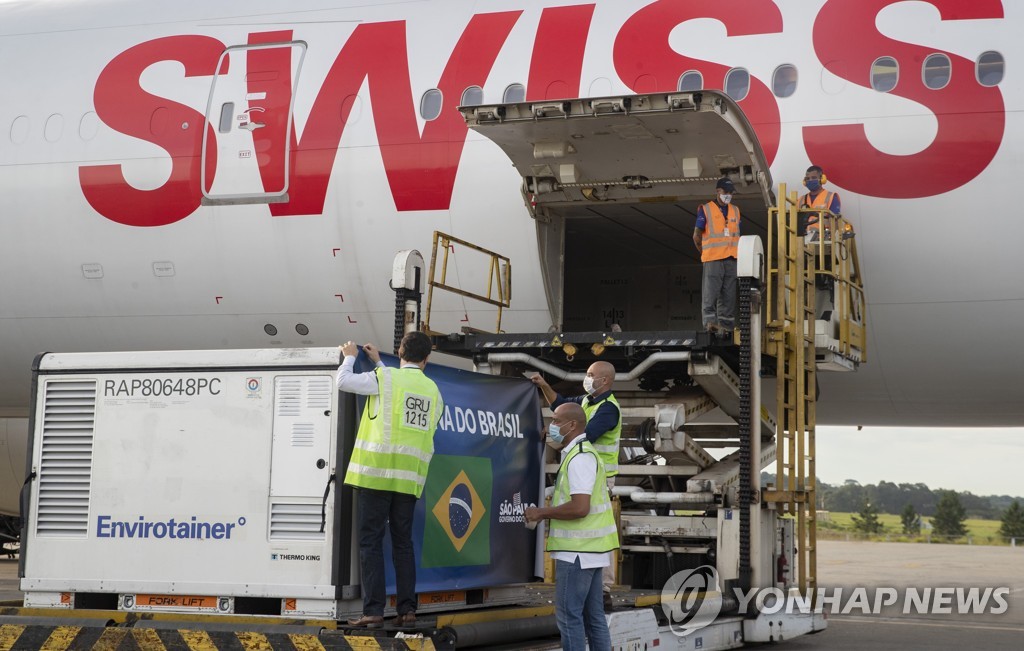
(879,567)
(884,569)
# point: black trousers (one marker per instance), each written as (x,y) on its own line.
(377,509)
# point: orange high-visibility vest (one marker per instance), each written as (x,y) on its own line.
(722,235)
(821,202)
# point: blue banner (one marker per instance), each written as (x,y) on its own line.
(468,530)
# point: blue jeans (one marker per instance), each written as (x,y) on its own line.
(376,509)
(579,608)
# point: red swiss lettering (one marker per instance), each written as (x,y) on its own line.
(557,61)
(970,116)
(124,106)
(420,168)
(646,62)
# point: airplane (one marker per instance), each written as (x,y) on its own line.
(197,175)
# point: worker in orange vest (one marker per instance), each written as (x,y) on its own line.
(717,237)
(818,197)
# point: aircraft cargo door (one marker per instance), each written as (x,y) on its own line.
(614,185)
(250,106)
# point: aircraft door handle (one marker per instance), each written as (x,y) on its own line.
(251,125)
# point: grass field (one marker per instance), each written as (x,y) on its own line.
(840,525)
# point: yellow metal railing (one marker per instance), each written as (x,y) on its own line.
(835,257)
(499,277)
(790,331)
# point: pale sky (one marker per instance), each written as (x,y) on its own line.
(985,461)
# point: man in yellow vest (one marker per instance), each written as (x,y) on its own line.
(581,534)
(717,236)
(603,429)
(393,448)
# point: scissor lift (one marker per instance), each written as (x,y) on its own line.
(685,394)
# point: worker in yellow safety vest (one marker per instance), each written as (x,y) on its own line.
(716,236)
(582,532)
(392,452)
(603,429)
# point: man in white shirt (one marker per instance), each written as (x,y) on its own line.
(582,532)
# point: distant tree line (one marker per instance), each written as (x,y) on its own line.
(947,509)
(887,497)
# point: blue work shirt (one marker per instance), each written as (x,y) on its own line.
(604,419)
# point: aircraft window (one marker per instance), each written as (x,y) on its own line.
(89,126)
(937,70)
(691,80)
(158,121)
(990,68)
(19,129)
(784,80)
(430,104)
(473,96)
(514,93)
(885,72)
(737,83)
(54,127)
(270,329)
(226,112)
(302,329)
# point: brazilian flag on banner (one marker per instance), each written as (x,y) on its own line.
(457,497)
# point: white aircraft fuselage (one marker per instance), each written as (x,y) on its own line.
(106,149)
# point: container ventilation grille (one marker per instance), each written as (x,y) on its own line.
(65,463)
(290,521)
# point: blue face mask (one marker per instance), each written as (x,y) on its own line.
(555,434)
(813,185)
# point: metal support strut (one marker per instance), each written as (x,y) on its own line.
(406,276)
(745,431)
(750,273)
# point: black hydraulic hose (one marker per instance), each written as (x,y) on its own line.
(745,429)
(23,497)
(323,506)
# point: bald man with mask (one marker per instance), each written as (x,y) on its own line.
(603,430)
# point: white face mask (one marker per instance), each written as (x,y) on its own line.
(726,198)
(588,385)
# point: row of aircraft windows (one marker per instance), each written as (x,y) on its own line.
(936,72)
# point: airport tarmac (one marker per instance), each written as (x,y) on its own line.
(872,566)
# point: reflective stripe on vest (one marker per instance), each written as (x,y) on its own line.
(716,245)
(593,533)
(607,445)
(812,220)
(395,441)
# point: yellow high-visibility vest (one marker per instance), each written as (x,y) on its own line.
(396,433)
(595,532)
(607,445)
